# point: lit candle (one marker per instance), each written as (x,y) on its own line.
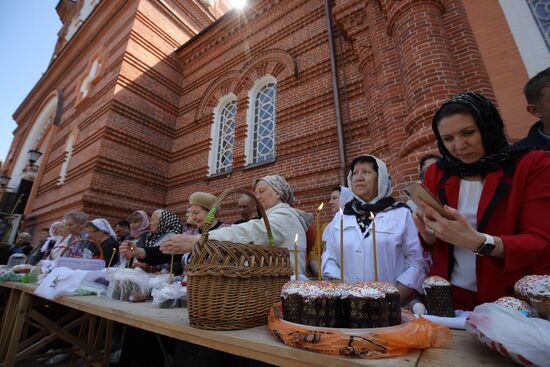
(296,256)
(171,268)
(374,247)
(319,244)
(130,258)
(111,259)
(341,246)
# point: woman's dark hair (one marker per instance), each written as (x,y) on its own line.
(450,110)
(364,159)
(336,188)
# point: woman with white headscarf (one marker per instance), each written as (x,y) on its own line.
(276,196)
(101,232)
(54,237)
(399,253)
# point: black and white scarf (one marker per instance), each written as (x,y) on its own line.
(168,223)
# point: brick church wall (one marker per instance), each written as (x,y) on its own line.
(142,135)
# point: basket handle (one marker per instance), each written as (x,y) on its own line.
(212,214)
(101,253)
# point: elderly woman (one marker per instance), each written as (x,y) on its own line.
(276,196)
(399,253)
(54,237)
(100,231)
(74,223)
(498,199)
(163,225)
(139,227)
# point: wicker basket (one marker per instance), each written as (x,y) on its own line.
(231,285)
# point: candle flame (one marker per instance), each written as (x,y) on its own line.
(320,206)
(371,215)
(341,211)
(296,238)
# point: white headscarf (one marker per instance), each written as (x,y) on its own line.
(384,184)
(104,226)
(52,237)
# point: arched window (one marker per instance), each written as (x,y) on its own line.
(260,141)
(223,135)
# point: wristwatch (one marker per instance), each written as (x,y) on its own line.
(487,246)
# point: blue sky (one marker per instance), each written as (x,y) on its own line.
(28,33)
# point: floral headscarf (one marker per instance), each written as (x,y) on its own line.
(280,186)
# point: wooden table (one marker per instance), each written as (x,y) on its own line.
(256,343)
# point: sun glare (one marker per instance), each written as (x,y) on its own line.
(238,4)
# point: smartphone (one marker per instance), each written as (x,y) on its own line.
(417,192)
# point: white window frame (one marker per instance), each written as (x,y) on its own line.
(215,135)
(250,115)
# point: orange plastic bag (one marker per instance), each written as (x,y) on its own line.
(419,333)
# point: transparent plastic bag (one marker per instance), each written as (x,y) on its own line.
(170,295)
(128,285)
(17,259)
(526,340)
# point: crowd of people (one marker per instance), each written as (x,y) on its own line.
(493,230)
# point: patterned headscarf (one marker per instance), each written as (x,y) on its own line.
(488,120)
(143,226)
(104,226)
(280,186)
(168,223)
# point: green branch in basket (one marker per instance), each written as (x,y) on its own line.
(270,239)
(211,215)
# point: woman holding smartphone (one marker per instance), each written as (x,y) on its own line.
(497,203)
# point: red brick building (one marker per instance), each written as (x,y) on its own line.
(146,101)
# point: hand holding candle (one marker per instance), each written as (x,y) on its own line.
(374,247)
(341,246)
(296,257)
(319,244)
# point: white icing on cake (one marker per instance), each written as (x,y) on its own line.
(435,281)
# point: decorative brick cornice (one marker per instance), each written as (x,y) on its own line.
(147,95)
(133,114)
(152,73)
(153,49)
(157,30)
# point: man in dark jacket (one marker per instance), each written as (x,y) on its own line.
(22,245)
(537,93)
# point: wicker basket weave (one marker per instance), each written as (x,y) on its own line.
(231,285)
